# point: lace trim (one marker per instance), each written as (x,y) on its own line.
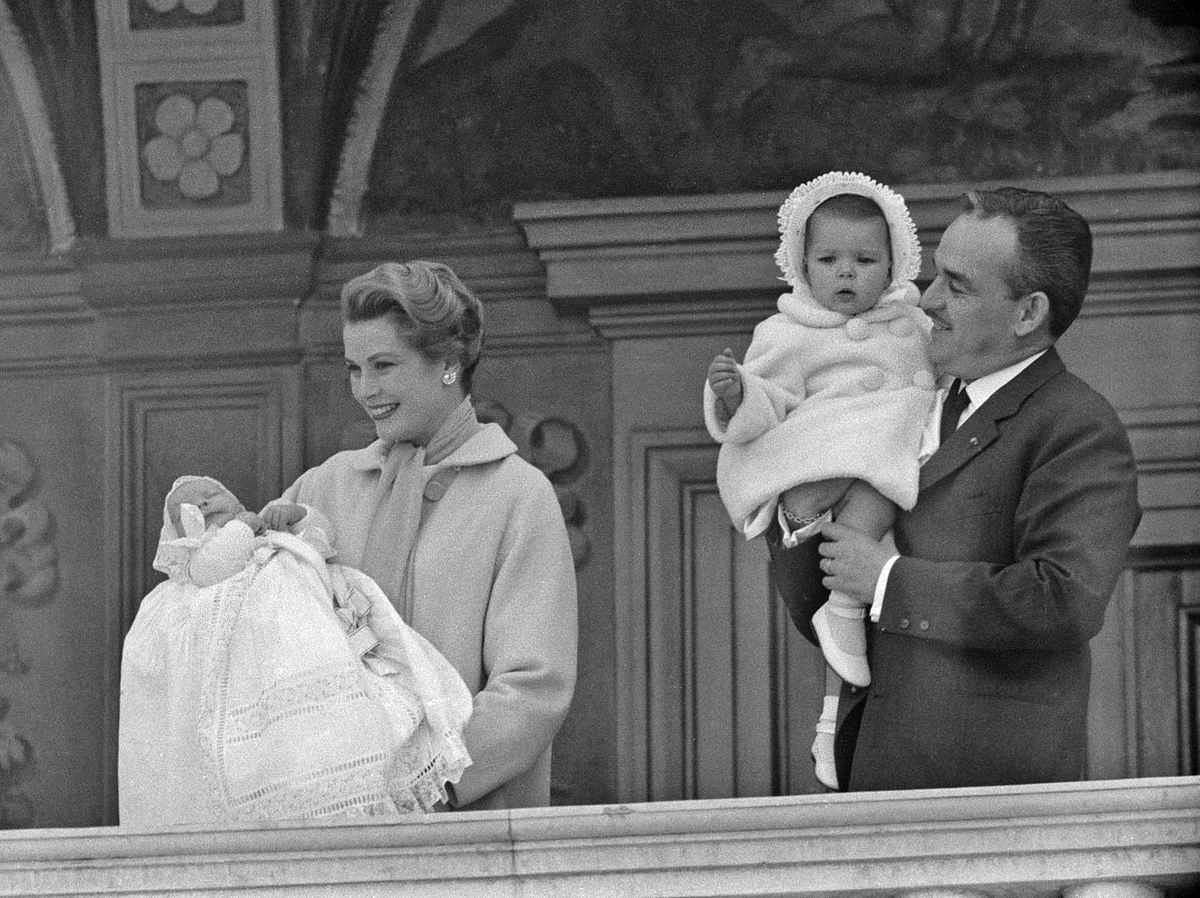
(411,779)
(794,213)
(297,699)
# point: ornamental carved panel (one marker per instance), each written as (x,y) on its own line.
(148,14)
(190,91)
(29,579)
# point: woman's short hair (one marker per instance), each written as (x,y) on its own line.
(434,310)
(1054,248)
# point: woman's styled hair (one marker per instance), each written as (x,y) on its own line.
(1054,247)
(434,310)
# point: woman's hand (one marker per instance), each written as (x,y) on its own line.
(282,515)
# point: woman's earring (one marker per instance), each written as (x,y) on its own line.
(450,377)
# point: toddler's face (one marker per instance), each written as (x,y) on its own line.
(848,263)
(218,505)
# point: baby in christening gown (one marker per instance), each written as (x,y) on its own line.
(265,682)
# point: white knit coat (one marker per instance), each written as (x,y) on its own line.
(825,395)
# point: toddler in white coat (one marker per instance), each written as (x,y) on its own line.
(826,415)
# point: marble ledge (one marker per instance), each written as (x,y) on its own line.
(1002,841)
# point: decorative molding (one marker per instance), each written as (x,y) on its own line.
(195,29)
(191,113)
(150,14)
(1165,440)
(246,299)
(1164,557)
(212,269)
(704,665)
(14,56)
(698,316)
(1143,835)
(496,264)
(1189,685)
(239,426)
(636,262)
(145,410)
(502,271)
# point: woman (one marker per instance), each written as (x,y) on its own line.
(464,537)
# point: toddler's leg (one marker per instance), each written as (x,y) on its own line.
(822,747)
(839,622)
(808,500)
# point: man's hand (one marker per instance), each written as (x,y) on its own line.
(851,561)
(726,382)
(282,515)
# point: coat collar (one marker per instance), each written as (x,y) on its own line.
(490,443)
(983,426)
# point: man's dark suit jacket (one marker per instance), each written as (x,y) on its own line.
(980,662)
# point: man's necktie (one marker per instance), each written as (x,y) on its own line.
(952,408)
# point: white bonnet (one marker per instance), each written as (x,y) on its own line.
(168,531)
(796,209)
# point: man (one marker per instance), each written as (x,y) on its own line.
(1003,569)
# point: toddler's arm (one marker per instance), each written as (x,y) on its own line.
(726,383)
(742,402)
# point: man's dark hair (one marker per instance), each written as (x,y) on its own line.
(1054,248)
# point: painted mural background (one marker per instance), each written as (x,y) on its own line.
(575,99)
(506,100)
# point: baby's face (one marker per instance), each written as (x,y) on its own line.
(848,263)
(218,505)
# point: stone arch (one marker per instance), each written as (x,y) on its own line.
(15,59)
(391,37)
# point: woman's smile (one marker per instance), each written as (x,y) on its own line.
(382,364)
(379,412)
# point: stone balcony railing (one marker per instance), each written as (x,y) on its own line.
(1082,840)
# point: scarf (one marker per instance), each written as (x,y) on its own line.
(398,503)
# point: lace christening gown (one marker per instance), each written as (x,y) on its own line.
(289,690)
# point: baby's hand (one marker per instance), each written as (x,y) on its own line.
(726,382)
(251,520)
(282,515)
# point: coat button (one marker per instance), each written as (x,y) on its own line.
(904,623)
(857,329)
(924,625)
(434,490)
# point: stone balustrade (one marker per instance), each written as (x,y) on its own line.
(1109,839)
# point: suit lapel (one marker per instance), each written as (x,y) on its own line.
(983,426)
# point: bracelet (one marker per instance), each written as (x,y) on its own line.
(799,523)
